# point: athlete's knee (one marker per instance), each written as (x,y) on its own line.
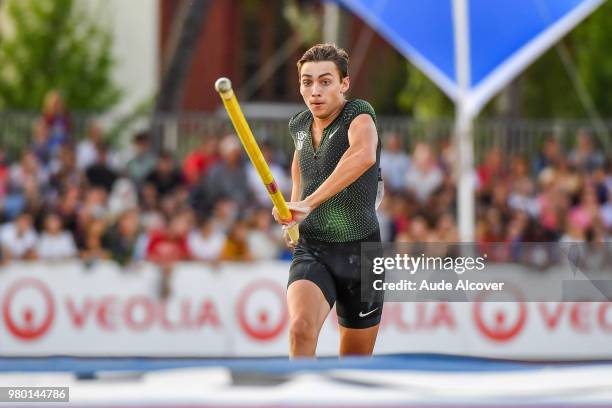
(302,331)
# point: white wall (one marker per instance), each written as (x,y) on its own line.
(135,32)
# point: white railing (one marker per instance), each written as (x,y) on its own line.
(180,133)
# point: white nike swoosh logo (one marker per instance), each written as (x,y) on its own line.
(361,314)
(332,133)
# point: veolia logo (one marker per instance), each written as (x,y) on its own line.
(28,309)
(262,310)
(500,322)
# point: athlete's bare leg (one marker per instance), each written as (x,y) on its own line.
(357,341)
(308,310)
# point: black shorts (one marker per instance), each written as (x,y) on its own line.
(336,269)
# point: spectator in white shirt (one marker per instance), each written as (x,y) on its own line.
(55,243)
(394,163)
(87,149)
(206,243)
(264,237)
(18,238)
(424,175)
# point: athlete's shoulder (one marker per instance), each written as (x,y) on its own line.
(357,107)
(298,120)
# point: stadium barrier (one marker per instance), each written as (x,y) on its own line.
(181,133)
(239,310)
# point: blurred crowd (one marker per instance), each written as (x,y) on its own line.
(68,196)
(555,196)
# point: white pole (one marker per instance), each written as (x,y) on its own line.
(463,124)
(465,174)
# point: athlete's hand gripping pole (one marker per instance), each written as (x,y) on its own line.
(224,87)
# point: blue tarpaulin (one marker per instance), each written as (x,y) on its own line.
(505,36)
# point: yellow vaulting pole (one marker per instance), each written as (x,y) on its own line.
(224,87)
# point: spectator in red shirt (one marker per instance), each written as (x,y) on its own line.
(166,247)
(197,163)
(399,212)
(491,171)
(170,245)
(490,234)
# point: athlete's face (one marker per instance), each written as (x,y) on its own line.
(321,87)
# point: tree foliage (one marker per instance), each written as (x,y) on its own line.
(421,98)
(55,44)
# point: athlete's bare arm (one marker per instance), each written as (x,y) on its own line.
(296,190)
(359,157)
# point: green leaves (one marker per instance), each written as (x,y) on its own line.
(422,98)
(55,44)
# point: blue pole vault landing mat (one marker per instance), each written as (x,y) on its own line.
(430,380)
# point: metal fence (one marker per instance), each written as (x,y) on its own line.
(181,133)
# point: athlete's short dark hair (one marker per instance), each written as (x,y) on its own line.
(326,52)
